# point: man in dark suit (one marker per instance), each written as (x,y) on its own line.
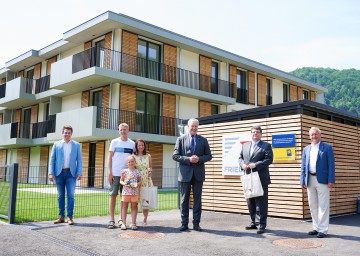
(257,155)
(191,151)
(318,176)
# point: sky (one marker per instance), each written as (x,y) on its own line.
(283,34)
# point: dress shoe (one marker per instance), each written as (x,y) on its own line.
(184,227)
(251,226)
(70,221)
(321,235)
(59,220)
(313,233)
(260,231)
(197,228)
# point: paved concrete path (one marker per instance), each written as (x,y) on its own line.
(223,234)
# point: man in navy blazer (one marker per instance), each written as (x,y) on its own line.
(65,168)
(191,151)
(257,155)
(318,176)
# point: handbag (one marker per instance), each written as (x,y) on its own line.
(252,185)
(148,197)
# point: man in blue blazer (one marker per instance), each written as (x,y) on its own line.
(257,155)
(191,151)
(65,168)
(318,176)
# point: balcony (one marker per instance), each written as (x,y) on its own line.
(268,100)
(119,62)
(24,91)
(107,118)
(34,130)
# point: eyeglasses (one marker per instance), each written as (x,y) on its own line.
(255,132)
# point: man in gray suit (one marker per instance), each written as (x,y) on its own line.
(191,151)
(257,155)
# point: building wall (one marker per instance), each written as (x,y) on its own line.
(188,107)
(71,102)
(189,61)
(277,91)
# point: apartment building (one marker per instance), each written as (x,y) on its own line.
(113,69)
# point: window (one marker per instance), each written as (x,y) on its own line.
(96,98)
(285,92)
(305,95)
(25,125)
(268,92)
(241,95)
(214,77)
(148,59)
(147,112)
(99,54)
(214,109)
(47,111)
(29,81)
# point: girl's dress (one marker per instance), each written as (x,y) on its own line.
(132,176)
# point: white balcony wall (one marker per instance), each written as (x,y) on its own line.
(61,72)
(15,89)
(71,102)
(189,61)
(82,120)
(5,132)
(277,91)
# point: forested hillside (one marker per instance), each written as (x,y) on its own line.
(343,86)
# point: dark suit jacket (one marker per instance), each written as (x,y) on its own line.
(182,154)
(325,164)
(262,157)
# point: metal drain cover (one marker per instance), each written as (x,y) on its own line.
(141,235)
(298,243)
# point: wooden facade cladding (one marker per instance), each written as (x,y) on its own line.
(3,154)
(87,54)
(105,104)
(233,79)
(170,61)
(312,95)
(261,90)
(34,116)
(127,105)
(20,73)
(93,172)
(107,54)
(48,64)
(44,164)
(85,97)
(293,92)
(129,52)
(286,198)
(156,152)
(37,71)
(169,114)
(300,93)
(1,119)
(251,87)
(205,73)
(85,154)
(23,156)
(204,108)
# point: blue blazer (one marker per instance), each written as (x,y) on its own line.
(325,164)
(57,159)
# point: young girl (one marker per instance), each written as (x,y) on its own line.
(130,178)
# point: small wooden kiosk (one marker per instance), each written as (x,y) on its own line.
(286,198)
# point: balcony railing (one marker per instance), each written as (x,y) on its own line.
(34,130)
(34,86)
(2,90)
(120,62)
(108,118)
(242,96)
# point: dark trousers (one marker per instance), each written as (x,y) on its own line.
(258,209)
(185,188)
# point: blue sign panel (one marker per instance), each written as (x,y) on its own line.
(283,140)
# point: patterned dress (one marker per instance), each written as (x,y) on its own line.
(142,164)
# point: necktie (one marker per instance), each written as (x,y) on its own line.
(252,148)
(192,144)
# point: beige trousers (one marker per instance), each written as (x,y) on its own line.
(319,203)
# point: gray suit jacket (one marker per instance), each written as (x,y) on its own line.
(182,154)
(262,157)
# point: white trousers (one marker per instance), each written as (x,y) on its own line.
(319,203)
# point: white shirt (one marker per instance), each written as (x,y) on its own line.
(67,151)
(253,145)
(121,149)
(314,150)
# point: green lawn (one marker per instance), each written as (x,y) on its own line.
(36,206)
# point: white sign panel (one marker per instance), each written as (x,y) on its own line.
(232,145)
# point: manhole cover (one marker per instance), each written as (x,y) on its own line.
(141,235)
(298,243)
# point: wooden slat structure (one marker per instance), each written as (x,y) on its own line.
(286,198)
